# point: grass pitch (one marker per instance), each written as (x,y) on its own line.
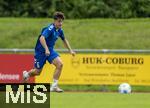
(99,100)
(94,33)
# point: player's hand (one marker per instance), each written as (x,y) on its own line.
(72,53)
(47,52)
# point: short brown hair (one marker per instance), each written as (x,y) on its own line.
(58,15)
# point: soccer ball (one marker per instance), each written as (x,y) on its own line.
(124,88)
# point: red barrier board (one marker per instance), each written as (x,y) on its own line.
(12,66)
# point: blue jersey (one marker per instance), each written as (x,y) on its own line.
(51,34)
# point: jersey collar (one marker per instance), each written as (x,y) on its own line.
(55,27)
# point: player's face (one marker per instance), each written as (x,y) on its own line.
(58,23)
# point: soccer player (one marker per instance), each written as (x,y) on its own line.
(44,50)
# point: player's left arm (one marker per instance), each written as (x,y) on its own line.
(67,45)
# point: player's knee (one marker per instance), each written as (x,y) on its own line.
(59,65)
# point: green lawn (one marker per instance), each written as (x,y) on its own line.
(99,100)
(84,33)
(86,100)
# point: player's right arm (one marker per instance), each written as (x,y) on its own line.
(43,42)
(46,32)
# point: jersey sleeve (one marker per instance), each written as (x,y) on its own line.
(46,32)
(62,34)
